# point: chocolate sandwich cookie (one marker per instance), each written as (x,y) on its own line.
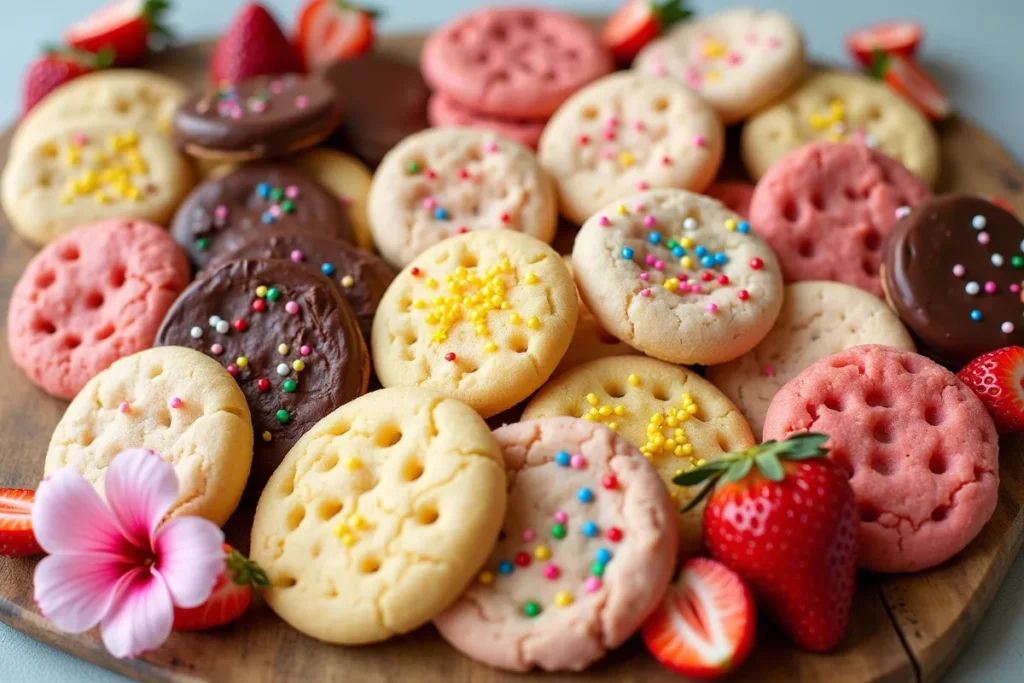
(222,213)
(360,276)
(259,118)
(954,270)
(288,338)
(385,101)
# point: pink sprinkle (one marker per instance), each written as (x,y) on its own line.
(613,122)
(648,221)
(221,212)
(642,186)
(774,42)
(430,203)
(983,237)
(660,70)
(592,584)
(1007,327)
(80,139)
(551,571)
(659,265)
(751,39)
(291,307)
(959,270)
(491,147)
(609,134)
(561,517)
(698,140)
(683,277)
(1014,288)
(301,102)
(291,192)
(577,462)
(712,308)
(216,349)
(650,259)
(529,534)
(274,211)
(258,106)
(276,87)
(232,369)
(696,288)
(603,221)
(990,287)
(296,255)
(124,407)
(175,402)
(639,125)
(733,58)
(236,113)
(768,371)
(304,350)
(606,153)
(645,292)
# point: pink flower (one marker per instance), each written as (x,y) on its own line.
(119,564)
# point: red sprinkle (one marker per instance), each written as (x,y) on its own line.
(239,325)
(263,384)
(743,295)
(614,534)
(609,481)
(258,305)
(522,559)
(723,279)
(430,174)
(584,139)
(463,230)
(666,161)
(706,276)
(756,263)
(450,357)
(415,272)
(505,218)
(464,174)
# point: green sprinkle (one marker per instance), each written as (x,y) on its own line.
(1017,262)
(287,206)
(273,293)
(558,531)
(283,417)
(672,244)
(597,569)
(289,385)
(277,194)
(531,609)
(202,244)
(412,168)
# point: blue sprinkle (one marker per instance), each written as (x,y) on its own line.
(327,269)
(562,458)
(584,495)
(743,227)
(678,251)
(268,217)
(721,259)
(441,213)
(975,315)
(505,567)
(701,250)
(589,529)
(708,261)
(627,252)
(263,189)
(603,555)
(654,237)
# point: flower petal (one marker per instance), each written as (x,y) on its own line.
(140,487)
(141,617)
(75,592)
(190,557)
(70,517)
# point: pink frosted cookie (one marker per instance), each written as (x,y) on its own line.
(919,447)
(95,295)
(736,195)
(516,63)
(826,209)
(444,111)
(587,550)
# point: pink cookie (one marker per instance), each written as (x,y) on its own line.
(735,195)
(826,209)
(587,550)
(513,63)
(920,448)
(444,111)
(95,295)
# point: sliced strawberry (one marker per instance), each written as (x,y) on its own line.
(54,69)
(252,45)
(705,625)
(329,30)
(997,378)
(909,79)
(637,23)
(16,536)
(231,596)
(894,38)
(124,26)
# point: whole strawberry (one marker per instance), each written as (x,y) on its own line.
(783,517)
(997,378)
(54,69)
(231,596)
(252,45)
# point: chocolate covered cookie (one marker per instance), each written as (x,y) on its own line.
(953,270)
(288,338)
(259,118)
(222,213)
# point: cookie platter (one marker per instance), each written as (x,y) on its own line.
(903,627)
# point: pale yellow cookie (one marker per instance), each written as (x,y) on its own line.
(346,177)
(57,182)
(380,516)
(446,181)
(677,419)
(178,403)
(842,107)
(484,317)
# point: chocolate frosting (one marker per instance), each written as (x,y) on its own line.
(954,256)
(336,365)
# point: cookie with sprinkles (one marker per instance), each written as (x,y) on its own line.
(483,317)
(222,213)
(285,335)
(678,276)
(587,550)
(448,181)
(259,118)
(676,418)
(954,271)
(627,133)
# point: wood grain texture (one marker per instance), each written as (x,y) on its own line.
(904,628)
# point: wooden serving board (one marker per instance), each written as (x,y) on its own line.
(903,628)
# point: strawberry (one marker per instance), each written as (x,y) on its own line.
(54,69)
(329,30)
(997,378)
(231,596)
(893,38)
(124,26)
(783,517)
(704,627)
(909,79)
(16,537)
(637,23)
(252,45)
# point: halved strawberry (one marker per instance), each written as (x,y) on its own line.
(16,536)
(705,625)
(329,30)
(997,378)
(637,23)
(894,38)
(124,26)
(231,596)
(909,79)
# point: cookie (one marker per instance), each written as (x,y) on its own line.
(736,195)
(444,111)
(358,275)
(348,179)
(175,402)
(448,181)
(919,447)
(483,317)
(678,276)
(835,106)
(380,516)
(817,320)
(56,182)
(285,335)
(513,63)
(739,60)
(260,118)
(95,295)
(627,133)
(826,209)
(587,550)
(953,273)
(674,417)
(221,214)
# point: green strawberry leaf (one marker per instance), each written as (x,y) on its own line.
(737,471)
(879,64)
(804,446)
(697,475)
(700,496)
(669,12)
(246,571)
(770,466)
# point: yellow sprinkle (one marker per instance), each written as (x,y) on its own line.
(261,291)
(419,303)
(359,522)
(626,159)
(49,149)
(620,410)
(605,411)
(671,283)
(431,319)
(835,137)
(515,319)
(563,599)
(241,361)
(530,279)
(837,109)
(686,262)
(349,540)
(432,283)
(730,224)
(101,197)
(588,417)
(347,281)
(486,578)
(691,409)
(634,380)
(686,243)
(687,449)
(284,349)
(66,199)
(533,323)
(712,76)
(542,552)
(614,426)
(298,365)
(267,436)
(714,49)
(491,347)
(623,211)
(353,463)
(592,399)
(818,121)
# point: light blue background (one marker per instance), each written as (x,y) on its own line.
(974,48)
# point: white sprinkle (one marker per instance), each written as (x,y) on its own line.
(691,224)
(979,222)
(871,140)
(283,369)
(223,326)
(839,127)
(1007,327)
(903,212)
(214,319)
(972,288)
(997,260)
(196,332)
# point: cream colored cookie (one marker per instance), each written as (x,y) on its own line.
(676,418)
(678,276)
(842,107)
(60,181)
(445,181)
(626,133)
(739,60)
(818,319)
(176,402)
(346,177)
(483,317)
(380,516)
